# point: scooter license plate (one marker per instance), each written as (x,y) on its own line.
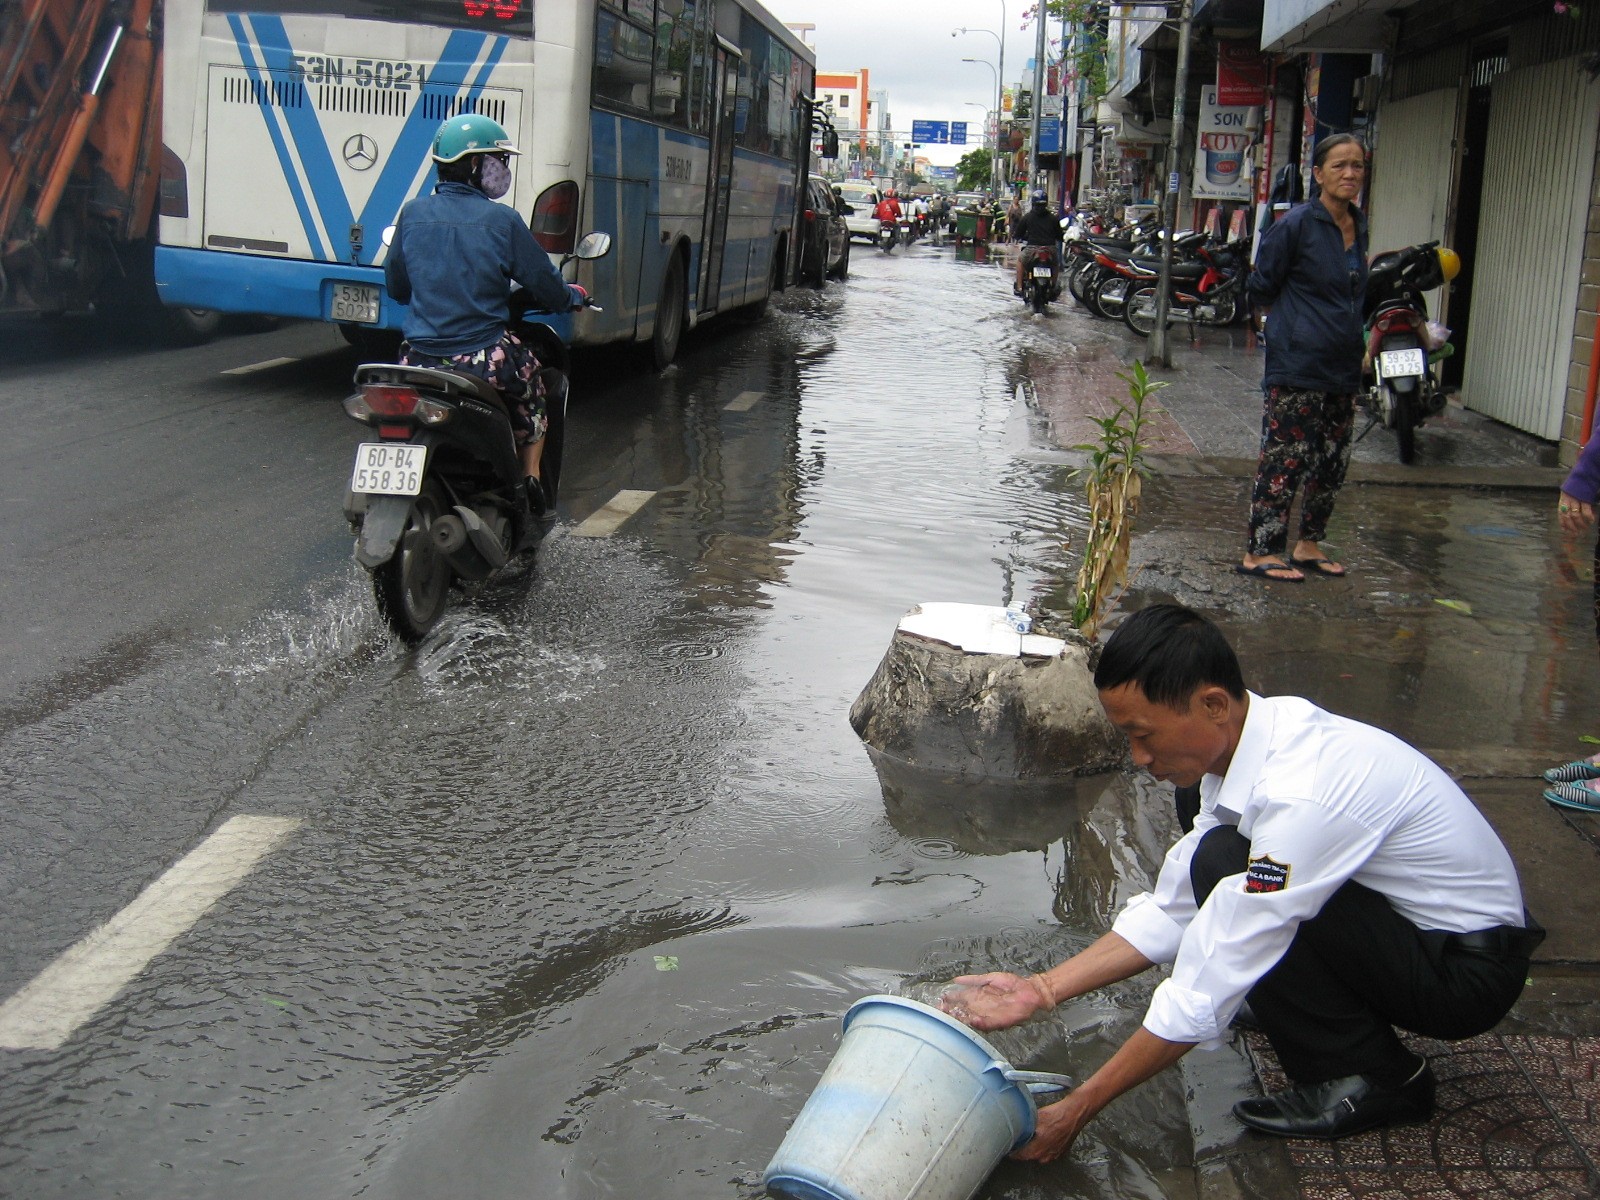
(388,469)
(1041,272)
(355,303)
(1393,364)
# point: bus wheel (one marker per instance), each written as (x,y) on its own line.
(669,315)
(189,326)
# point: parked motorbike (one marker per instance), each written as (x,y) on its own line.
(439,497)
(1207,288)
(1039,284)
(888,236)
(1402,344)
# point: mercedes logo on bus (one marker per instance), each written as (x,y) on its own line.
(360,152)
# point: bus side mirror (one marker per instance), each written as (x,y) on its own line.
(593,245)
(830,144)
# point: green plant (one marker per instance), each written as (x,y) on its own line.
(1116,474)
(975,170)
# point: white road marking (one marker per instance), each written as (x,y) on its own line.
(88,975)
(610,518)
(264,365)
(744,402)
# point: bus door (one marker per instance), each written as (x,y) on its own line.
(719,181)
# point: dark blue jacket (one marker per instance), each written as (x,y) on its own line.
(453,258)
(1314,332)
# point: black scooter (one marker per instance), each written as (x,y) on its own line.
(440,497)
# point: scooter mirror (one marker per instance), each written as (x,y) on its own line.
(388,235)
(593,245)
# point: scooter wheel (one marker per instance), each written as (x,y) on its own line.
(413,587)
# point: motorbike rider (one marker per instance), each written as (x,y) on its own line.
(1039,226)
(453,258)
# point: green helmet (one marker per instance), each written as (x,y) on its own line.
(470,133)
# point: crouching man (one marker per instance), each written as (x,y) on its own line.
(1335,878)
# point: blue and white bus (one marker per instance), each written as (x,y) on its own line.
(295,130)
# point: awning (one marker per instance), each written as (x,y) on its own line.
(1130,131)
(1340,25)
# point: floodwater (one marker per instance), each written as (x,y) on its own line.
(583,884)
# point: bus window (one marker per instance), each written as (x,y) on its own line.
(674,52)
(501,16)
(622,52)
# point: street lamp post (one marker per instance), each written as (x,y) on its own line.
(994,163)
(999,94)
(987,114)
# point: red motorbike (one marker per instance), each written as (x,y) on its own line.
(1402,344)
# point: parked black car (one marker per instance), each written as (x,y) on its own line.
(825,239)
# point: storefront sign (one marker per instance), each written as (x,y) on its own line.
(1222,149)
(1241,74)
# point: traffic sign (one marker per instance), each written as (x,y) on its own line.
(931,132)
(958,133)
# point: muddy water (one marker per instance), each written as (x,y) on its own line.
(584,883)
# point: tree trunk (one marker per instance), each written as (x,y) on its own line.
(944,701)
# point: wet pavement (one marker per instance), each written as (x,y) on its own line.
(581,886)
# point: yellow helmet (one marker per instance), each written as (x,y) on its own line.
(1449,263)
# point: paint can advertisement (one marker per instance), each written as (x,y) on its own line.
(1224,140)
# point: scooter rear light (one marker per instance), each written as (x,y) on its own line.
(431,412)
(390,400)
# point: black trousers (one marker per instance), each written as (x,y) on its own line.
(1358,969)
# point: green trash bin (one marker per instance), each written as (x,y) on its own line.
(967,225)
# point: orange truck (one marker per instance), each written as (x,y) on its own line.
(80,161)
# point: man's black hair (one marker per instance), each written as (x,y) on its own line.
(460,171)
(1170,652)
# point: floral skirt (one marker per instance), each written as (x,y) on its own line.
(508,366)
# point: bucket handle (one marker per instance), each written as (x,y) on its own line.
(1038,1082)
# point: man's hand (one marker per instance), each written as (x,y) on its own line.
(1059,1126)
(997,1000)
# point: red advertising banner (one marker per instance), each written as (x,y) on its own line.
(1241,74)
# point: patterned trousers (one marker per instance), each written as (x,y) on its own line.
(1305,446)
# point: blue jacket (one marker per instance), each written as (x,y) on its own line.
(453,258)
(1314,332)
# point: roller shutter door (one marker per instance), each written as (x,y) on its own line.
(1540,164)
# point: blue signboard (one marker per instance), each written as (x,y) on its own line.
(944,173)
(1050,136)
(930,133)
(958,133)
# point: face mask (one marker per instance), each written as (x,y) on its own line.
(494,177)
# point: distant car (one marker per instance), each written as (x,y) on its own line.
(825,239)
(863,197)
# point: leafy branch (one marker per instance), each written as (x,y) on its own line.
(1116,474)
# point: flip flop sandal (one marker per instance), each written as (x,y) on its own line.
(1260,571)
(1570,795)
(1319,566)
(1573,772)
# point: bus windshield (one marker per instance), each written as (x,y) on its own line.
(503,16)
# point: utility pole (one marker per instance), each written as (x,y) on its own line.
(1159,350)
(1039,76)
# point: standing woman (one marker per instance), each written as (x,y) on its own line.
(1310,277)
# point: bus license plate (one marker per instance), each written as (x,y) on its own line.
(388,469)
(1397,363)
(354,302)
(1041,272)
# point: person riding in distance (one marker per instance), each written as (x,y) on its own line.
(888,208)
(1335,877)
(454,257)
(1038,227)
(1310,276)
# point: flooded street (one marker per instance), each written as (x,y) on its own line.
(576,892)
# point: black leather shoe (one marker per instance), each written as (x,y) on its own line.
(1340,1107)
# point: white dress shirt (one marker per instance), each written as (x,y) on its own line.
(1322,799)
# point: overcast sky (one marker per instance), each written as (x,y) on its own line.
(909,50)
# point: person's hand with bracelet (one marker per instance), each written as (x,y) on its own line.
(1576,516)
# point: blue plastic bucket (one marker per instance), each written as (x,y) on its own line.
(914,1106)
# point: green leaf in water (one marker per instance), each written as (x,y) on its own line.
(1591,739)
(276,1000)
(666,962)
(1460,606)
